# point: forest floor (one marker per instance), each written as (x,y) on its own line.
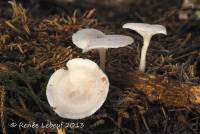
(35,40)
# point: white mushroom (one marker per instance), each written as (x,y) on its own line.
(146,31)
(79,91)
(88,39)
(108,41)
(83,36)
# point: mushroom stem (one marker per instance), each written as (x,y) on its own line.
(144,53)
(102,56)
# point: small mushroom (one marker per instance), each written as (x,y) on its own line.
(88,39)
(82,37)
(109,41)
(146,31)
(78,92)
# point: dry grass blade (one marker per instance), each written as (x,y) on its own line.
(4,38)
(60,131)
(8,23)
(90,13)
(19,14)
(2,91)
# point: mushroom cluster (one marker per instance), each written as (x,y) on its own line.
(81,90)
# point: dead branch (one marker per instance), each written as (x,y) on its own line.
(159,89)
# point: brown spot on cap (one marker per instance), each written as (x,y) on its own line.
(103,79)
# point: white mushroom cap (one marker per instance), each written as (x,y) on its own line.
(83,36)
(79,91)
(143,28)
(109,41)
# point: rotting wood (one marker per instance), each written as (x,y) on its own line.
(159,89)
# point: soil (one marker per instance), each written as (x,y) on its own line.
(35,40)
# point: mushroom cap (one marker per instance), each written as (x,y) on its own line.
(143,28)
(78,92)
(83,36)
(109,41)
